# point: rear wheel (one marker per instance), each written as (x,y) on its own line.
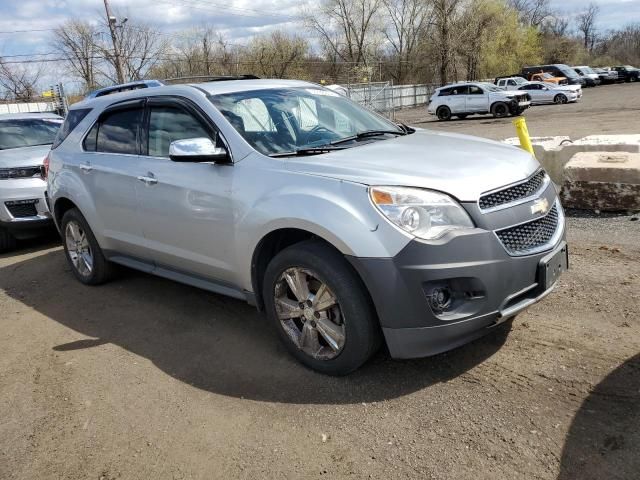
(444,113)
(83,253)
(320,308)
(560,99)
(500,110)
(7,241)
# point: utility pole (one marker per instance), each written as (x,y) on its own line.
(111,20)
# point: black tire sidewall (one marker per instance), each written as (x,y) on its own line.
(361,324)
(101,268)
(441,110)
(496,107)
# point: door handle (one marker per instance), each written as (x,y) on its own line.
(148,180)
(86,167)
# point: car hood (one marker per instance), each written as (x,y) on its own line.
(460,165)
(24,156)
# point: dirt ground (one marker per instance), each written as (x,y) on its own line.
(145,378)
(607,109)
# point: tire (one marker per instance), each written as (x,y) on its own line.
(499,110)
(560,99)
(7,241)
(462,116)
(443,113)
(83,253)
(351,319)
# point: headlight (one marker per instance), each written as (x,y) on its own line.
(423,213)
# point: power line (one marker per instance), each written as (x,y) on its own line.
(28,31)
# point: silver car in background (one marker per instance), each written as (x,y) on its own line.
(543,93)
(346,229)
(25,140)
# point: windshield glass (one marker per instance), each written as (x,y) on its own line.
(567,72)
(586,70)
(28,132)
(490,86)
(278,120)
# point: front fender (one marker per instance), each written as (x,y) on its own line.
(338,212)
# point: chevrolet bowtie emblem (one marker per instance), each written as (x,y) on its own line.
(540,206)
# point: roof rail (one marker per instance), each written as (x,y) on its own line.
(124,87)
(208,78)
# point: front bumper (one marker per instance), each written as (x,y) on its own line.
(24,225)
(490,286)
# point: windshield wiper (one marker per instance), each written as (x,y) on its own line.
(365,134)
(307,151)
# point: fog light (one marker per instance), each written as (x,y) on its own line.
(440,299)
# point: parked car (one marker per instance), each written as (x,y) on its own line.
(606,75)
(555,70)
(591,78)
(25,140)
(510,83)
(541,93)
(627,73)
(547,77)
(345,228)
(464,99)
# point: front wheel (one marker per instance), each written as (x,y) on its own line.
(444,113)
(320,308)
(500,110)
(559,99)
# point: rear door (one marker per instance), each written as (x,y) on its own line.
(185,208)
(476,99)
(109,167)
(457,99)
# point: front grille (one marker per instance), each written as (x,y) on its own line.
(530,236)
(515,192)
(22,210)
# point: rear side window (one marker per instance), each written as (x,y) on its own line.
(73,118)
(444,92)
(115,132)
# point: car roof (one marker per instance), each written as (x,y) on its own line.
(209,88)
(23,116)
(125,86)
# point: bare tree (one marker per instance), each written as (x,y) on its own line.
(531,12)
(75,39)
(19,82)
(346,28)
(408,22)
(139,46)
(445,16)
(277,55)
(587,25)
(556,26)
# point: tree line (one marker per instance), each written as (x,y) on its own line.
(344,41)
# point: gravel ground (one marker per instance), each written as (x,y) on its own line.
(145,378)
(607,109)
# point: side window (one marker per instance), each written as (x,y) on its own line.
(118,132)
(511,82)
(460,90)
(475,90)
(90,140)
(167,124)
(445,92)
(73,118)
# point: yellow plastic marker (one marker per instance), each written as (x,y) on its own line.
(523,135)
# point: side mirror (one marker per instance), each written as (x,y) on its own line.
(200,149)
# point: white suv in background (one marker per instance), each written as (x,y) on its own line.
(464,99)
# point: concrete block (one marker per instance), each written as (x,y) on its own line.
(602,181)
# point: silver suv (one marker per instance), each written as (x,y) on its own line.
(346,229)
(25,140)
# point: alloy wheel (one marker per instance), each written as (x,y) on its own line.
(309,313)
(78,248)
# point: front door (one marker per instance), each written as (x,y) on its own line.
(185,208)
(476,99)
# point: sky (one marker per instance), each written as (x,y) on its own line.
(25,25)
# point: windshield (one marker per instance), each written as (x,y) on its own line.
(490,86)
(28,132)
(278,120)
(587,70)
(567,72)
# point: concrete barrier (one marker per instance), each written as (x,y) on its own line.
(602,181)
(554,152)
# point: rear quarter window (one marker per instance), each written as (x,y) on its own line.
(73,118)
